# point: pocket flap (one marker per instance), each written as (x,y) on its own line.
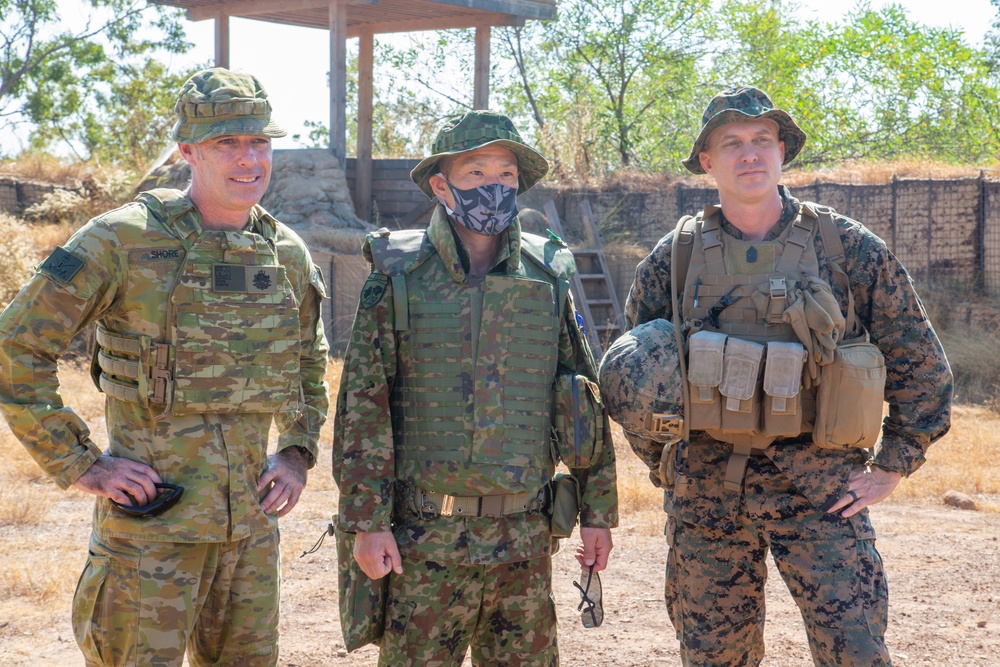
(741,368)
(783,369)
(705,355)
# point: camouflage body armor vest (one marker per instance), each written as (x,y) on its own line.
(230,342)
(476,360)
(745,361)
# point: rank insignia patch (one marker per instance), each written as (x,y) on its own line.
(373,290)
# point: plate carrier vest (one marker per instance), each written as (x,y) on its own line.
(232,325)
(751,279)
(486,401)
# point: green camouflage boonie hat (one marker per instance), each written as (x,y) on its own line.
(744,103)
(216,102)
(477,129)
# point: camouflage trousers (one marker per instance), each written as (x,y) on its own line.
(715,580)
(141,603)
(505,612)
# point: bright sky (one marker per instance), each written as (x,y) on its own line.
(292,62)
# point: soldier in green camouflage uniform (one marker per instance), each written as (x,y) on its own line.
(209,329)
(804,502)
(442,434)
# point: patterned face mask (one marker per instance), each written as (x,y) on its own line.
(486,210)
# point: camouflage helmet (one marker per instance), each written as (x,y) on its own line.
(641,382)
(744,103)
(216,102)
(476,129)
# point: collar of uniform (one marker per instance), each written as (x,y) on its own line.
(174,208)
(789,212)
(455,256)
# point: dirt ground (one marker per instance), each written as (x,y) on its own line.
(943,566)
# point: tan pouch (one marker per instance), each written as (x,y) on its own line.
(740,399)
(706,350)
(850,396)
(782,407)
(578,420)
(565,505)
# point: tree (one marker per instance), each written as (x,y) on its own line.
(610,82)
(66,82)
(873,85)
(890,88)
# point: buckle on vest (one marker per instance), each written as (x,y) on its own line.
(160,374)
(779,292)
(664,423)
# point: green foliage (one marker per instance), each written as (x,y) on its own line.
(615,84)
(609,82)
(900,89)
(99,89)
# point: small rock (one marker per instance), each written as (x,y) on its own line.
(960,500)
(981,624)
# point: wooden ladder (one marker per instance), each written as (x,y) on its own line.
(593,292)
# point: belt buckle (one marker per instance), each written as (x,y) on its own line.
(424,509)
(447,506)
(491,506)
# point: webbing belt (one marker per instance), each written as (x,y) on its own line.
(117,344)
(119,367)
(442,504)
(122,392)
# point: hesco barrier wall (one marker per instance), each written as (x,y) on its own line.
(944,231)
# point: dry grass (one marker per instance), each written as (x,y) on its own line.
(855,172)
(874,173)
(47,169)
(964,460)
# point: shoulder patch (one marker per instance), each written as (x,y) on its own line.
(373,290)
(62,265)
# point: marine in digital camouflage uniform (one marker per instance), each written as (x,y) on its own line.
(208,329)
(805,504)
(442,433)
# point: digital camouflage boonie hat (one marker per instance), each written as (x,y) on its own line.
(477,129)
(744,103)
(216,102)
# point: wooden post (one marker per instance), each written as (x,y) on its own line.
(338,80)
(363,170)
(222,40)
(481,91)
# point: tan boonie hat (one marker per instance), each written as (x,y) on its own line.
(477,129)
(216,102)
(744,103)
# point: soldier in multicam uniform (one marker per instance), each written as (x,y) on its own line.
(208,329)
(442,447)
(784,311)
